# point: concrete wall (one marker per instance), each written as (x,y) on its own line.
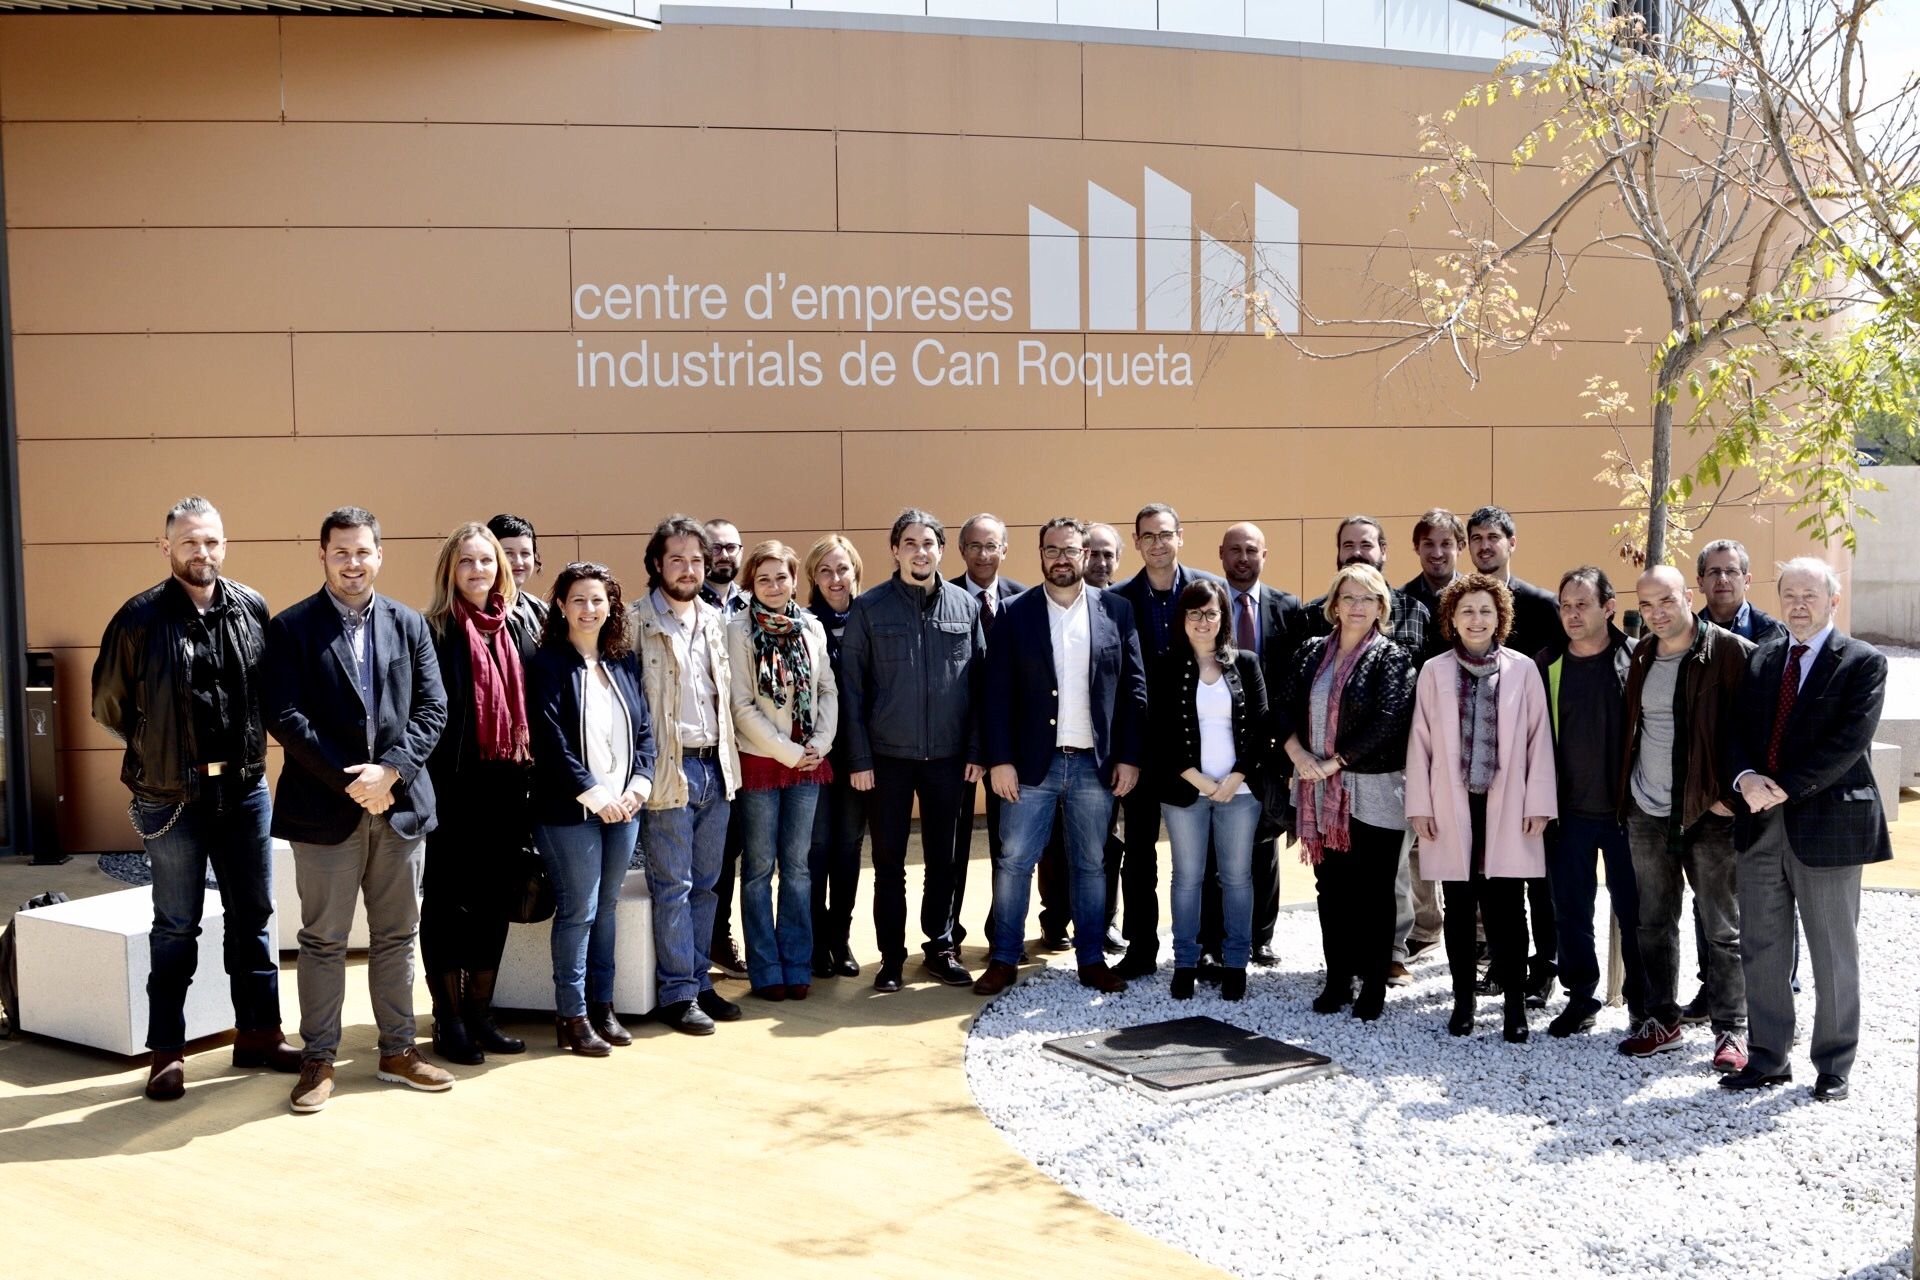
(1886,570)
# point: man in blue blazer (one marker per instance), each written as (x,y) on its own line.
(1061,727)
(352,692)
(1808,818)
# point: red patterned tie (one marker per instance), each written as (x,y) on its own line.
(1244,635)
(988,609)
(1789,690)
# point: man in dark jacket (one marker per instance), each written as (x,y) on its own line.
(1809,816)
(1065,705)
(1724,576)
(178,681)
(983,545)
(353,693)
(1586,700)
(1673,791)
(911,661)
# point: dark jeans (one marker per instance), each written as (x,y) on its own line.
(1501,904)
(833,863)
(1571,845)
(1266,891)
(1354,892)
(1140,870)
(1707,864)
(1540,917)
(723,887)
(227,828)
(939,784)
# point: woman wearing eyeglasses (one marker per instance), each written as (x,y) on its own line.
(1207,716)
(1345,717)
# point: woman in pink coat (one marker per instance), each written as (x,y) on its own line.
(1481,789)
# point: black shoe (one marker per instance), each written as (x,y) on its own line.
(1233,984)
(888,979)
(1372,1002)
(946,967)
(1698,1010)
(685,1016)
(1137,964)
(1115,943)
(843,962)
(1461,1023)
(1828,1087)
(1541,989)
(1210,969)
(726,959)
(1417,949)
(1571,1021)
(1263,956)
(718,1007)
(1058,941)
(477,1008)
(1183,984)
(1487,986)
(1335,996)
(451,1039)
(1751,1077)
(823,963)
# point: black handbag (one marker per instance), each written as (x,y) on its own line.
(529,891)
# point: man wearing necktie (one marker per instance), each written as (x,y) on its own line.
(983,545)
(1809,817)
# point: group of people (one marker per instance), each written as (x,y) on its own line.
(1451,757)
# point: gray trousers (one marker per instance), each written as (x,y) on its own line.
(1773,884)
(331,878)
(1707,865)
(1416,911)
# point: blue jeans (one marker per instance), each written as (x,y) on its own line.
(229,831)
(777,825)
(1571,843)
(684,850)
(1229,825)
(1071,784)
(587,861)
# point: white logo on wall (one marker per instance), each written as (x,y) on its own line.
(1194,282)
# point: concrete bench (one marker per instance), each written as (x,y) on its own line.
(526,970)
(1887,759)
(84,966)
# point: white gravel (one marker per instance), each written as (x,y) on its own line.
(1436,1156)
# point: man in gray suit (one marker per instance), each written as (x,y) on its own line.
(1810,817)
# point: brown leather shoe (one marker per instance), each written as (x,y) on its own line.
(265,1047)
(315,1086)
(410,1069)
(578,1035)
(167,1078)
(798,990)
(999,976)
(1102,979)
(606,1024)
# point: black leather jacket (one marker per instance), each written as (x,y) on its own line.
(1376,707)
(140,692)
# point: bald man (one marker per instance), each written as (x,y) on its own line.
(1683,689)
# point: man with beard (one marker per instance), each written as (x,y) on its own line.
(1065,707)
(178,681)
(911,666)
(723,593)
(681,642)
(1438,540)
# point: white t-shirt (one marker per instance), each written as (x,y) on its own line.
(1214,703)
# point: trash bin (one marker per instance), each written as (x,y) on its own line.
(43,761)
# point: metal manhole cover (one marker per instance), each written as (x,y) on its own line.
(1190,1058)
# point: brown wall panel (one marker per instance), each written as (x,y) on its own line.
(153,384)
(415,175)
(205,280)
(1137,93)
(115,67)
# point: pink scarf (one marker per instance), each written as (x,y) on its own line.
(499,698)
(1323,805)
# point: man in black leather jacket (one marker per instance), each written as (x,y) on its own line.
(178,680)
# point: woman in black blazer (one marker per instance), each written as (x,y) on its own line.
(480,769)
(1208,735)
(1344,720)
(593,770)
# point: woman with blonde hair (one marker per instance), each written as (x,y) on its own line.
(832,571)
(785,710)
(480,770)
(1343,720)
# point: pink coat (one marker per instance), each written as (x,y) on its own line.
(1523,781)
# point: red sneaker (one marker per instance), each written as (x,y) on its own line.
(1729,1052)
(1651,1037)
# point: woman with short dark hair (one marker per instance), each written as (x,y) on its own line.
(593,770)
(1208,733)
(1481,790)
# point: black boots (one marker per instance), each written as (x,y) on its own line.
(1337,994)
(606,1024)
(1461,1023)
(451,1039)
(476,1006)
(1515,1031)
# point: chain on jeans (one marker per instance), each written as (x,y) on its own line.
(133,816)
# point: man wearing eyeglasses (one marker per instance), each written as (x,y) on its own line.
(983,545)
(723,593)
(1061,729)
(1724,576)
(1153,593)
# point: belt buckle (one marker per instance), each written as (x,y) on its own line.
(215,769)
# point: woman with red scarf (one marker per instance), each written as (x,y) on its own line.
(1344,721)
(480,776)
(785,709)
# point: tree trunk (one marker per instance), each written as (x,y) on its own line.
(1662,465)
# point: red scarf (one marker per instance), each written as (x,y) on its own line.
(499,697)
(1322,806)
